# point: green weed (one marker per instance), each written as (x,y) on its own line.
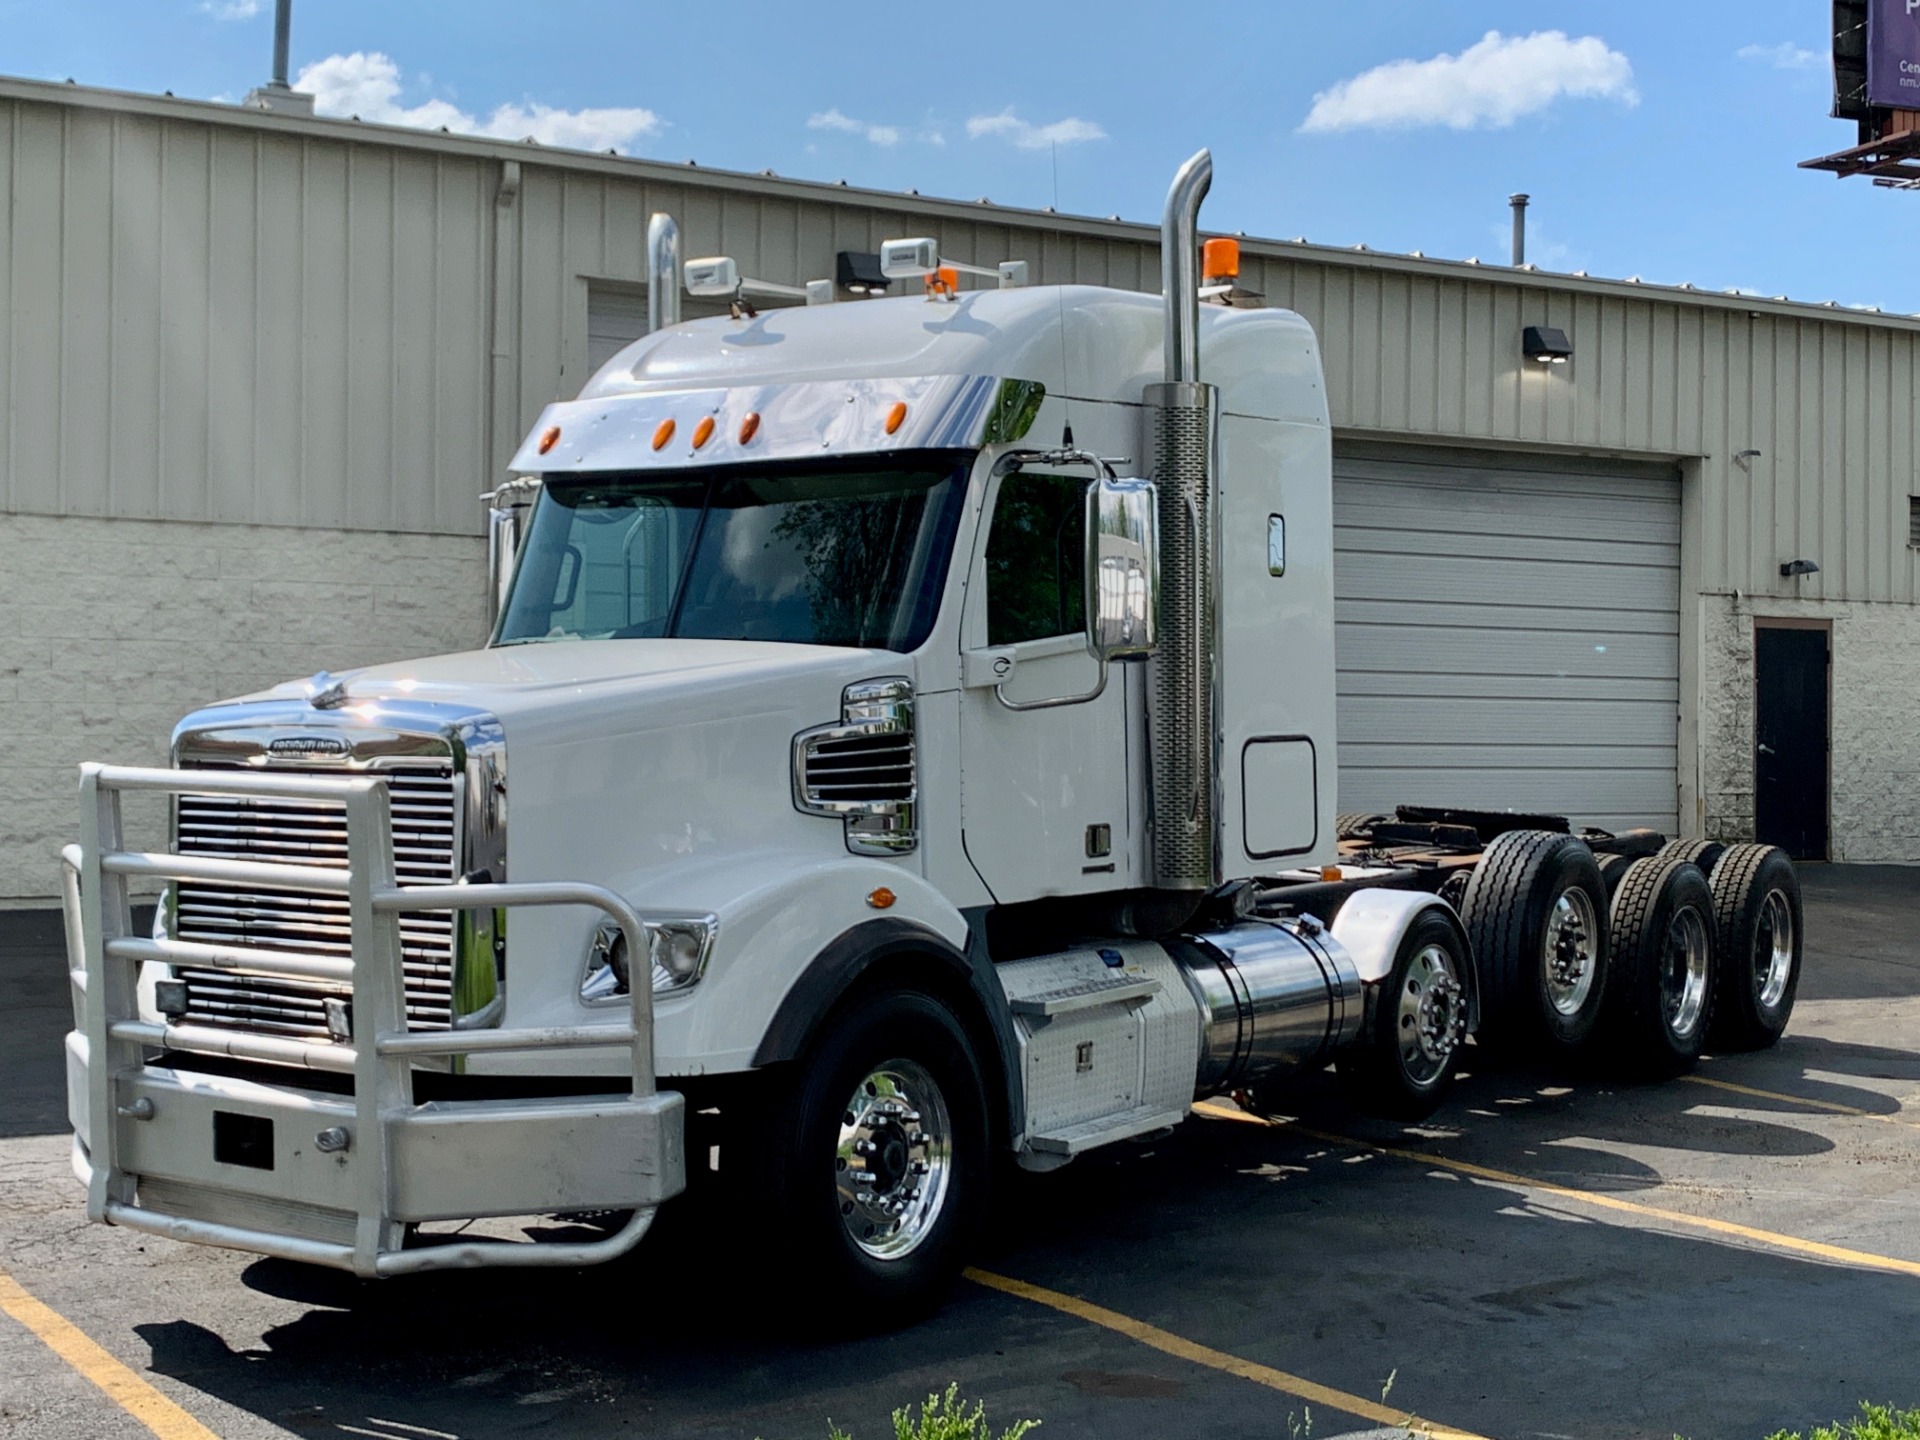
(1875,1422)
(946,1417)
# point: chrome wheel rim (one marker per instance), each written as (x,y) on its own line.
(1568,954)
(894,1164)
(1683,972)
(1432,1018)
(1773,950)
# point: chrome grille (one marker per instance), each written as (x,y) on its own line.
(858,768)
(312,832)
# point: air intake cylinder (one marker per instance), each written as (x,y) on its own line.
(1179,444)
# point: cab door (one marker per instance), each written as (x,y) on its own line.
(1045,794)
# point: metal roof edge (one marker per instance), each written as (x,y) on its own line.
(666,172)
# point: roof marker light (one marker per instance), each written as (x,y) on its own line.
(749,427)
(897,416)
(1220,259)
(703,432)
(663,433)
(550,439)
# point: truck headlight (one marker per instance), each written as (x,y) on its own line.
(678,948)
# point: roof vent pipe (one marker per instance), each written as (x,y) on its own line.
(1519,203)
(663,272)
(282,39)
(1180,421)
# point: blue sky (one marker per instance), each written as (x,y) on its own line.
(1658,137)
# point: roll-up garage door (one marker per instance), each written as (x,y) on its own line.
(1507,633)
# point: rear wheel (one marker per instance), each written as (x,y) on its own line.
(1536,913)
(1355,826)
(1613,869)
(1756,905)
(1416,1022)
(874,1162)
(1704,853)
(1660,1001)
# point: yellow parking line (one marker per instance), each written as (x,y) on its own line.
(1770,1239)
(126,1389)
(1832,1107)
(1181,1348)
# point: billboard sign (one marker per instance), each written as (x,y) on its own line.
(1893,54)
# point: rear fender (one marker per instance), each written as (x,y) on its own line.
(1373,922)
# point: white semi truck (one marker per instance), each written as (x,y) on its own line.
(872,777)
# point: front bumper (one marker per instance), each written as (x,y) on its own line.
(303,1173)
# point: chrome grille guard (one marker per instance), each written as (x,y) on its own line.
(148,1139)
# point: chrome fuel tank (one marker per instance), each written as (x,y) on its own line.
(1274,997)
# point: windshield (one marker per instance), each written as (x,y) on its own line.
(837,553)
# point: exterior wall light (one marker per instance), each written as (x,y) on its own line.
(1795,569)
(1546,343)
(858,273)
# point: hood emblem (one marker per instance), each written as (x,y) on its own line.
(308,745)
(324,692)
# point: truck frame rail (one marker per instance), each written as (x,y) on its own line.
(308,1174)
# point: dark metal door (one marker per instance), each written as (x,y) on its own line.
(1790,741)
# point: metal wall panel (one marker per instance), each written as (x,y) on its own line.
(219,314)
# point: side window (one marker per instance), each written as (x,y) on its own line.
(1036,559)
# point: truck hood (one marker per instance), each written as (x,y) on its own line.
(531,681)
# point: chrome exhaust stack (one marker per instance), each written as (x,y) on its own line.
(1179,446)
(663,272)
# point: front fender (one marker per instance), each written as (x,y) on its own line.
(769,938)
(1373,922)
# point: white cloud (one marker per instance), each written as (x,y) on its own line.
(230,9)
(1784,56)
(1492,84)
(367,84)
(847,125)
(1028,136)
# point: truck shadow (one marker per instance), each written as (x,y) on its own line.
(1322,1259)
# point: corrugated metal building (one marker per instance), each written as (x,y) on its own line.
(256,370)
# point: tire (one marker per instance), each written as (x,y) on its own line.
(1659,1005)
(900,1065)
(1704,853)
(1416,1022)
(1756,906)
(1612,869)
(1354,825)
(1536,914)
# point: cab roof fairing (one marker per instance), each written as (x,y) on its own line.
(1080,342)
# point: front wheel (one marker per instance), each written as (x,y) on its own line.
(875,1162)
(1416,1022)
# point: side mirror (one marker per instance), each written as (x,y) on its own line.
(507,511)
(1123,569)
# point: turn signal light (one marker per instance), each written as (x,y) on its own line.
(662,434)
(897,416)
(749,426)
(881,899)
(550,439)
(1220,259)
(702,432)
(1329,873)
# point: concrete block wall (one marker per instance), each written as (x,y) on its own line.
(110,630)
(1875,808)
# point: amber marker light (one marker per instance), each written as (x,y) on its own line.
(1220,259)
(550,439)
(750,426)
(1330,873)
(703,432)
(662,434)
(897,416)
(881,899)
